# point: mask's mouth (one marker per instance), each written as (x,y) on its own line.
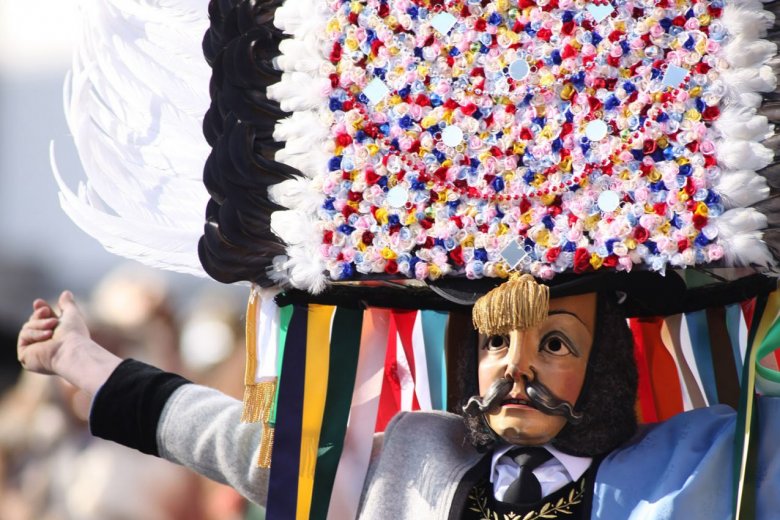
(539,397)
(513,400)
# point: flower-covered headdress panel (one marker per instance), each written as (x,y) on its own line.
(428,139)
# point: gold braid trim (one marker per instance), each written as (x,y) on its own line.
(258,395)
(266,446)
(520,303)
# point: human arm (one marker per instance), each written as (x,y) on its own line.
(199,428)
(165,415)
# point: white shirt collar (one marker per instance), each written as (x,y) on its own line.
(574,466)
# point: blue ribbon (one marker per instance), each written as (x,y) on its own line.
(434,324)
(285,459)
(702,353)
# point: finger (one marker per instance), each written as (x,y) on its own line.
(66,301)
(43,312)
(42,324)
(29,336)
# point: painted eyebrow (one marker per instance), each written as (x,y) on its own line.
(561,311)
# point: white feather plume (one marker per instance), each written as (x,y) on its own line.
(311,164)
(747,155)
(306,268)
(299,55)
(741,188)
(750,79)
(739,233)
(300,194)
(300,124)
(299,91)
(134,102)
(301,17)
(748,19)
(743,123)
(741,52)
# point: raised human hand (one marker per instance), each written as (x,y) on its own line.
(60,344)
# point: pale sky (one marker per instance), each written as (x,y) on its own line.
(36,35)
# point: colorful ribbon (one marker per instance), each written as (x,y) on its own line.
(315,390)
(344,350)
(285,459)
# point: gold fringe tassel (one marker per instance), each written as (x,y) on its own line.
(266,447)
(520,303)
(258,401)
(258,395)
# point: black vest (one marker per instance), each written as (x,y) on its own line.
(474,498)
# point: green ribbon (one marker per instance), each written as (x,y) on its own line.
(344,351)
(743,444)
(285,314)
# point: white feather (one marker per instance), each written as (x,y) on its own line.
(311,164)
(740,220)
(741,52)
(300,124)
(294,227)
(739,232)
(743,155)
(301,17)
(748,20)
(300,194)
(742,188)
(750,79)
(746,250)
(300,54)
(134,103)
(306,268)
(748,99)
(299,91)
(744,124)
(154,244)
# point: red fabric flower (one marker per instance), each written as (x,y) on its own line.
(699,221)
(552,254)
(641,234)
(610,261)
(711,113)
(391,267)
(456,255)
(581,260)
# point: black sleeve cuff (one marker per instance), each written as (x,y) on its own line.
(128,406)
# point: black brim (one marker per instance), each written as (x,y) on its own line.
(642,293)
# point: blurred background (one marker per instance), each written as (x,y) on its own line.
(50,468)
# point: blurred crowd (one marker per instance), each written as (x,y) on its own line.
(51,468)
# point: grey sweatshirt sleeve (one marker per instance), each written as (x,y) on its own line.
(201,428)
(163,414)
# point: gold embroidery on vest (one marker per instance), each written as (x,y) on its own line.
(478,498)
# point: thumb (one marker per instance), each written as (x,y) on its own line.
(66,301)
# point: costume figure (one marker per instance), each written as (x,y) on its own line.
(555,165)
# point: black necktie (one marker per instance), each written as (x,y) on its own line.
(526,489)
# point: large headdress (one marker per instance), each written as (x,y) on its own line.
(430,140)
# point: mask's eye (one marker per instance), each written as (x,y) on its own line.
(496,342)
(555,345)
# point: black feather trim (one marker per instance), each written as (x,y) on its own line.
(240,45)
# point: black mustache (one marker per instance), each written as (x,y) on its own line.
(538,394)
(477,405)
(545,401)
